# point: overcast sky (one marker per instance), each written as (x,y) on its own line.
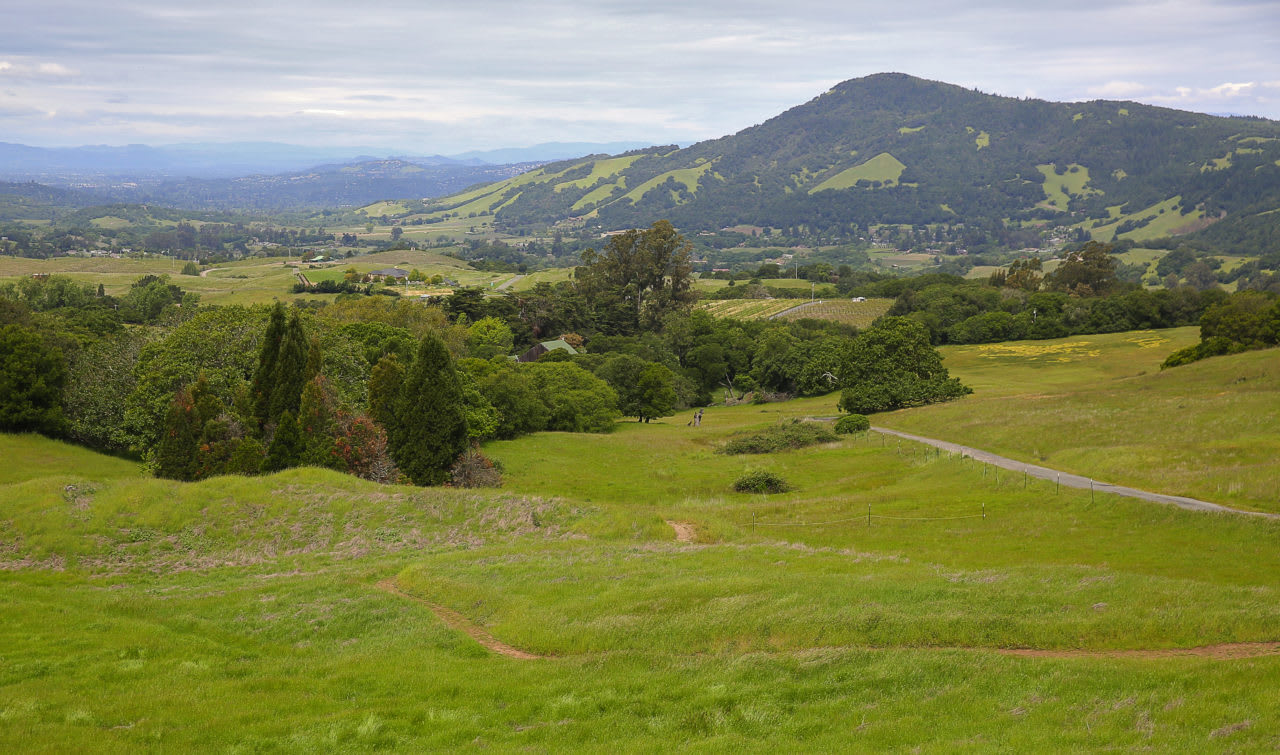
(427,76)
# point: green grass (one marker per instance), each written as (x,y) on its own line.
(1059,189)
(28,457)
(688,177)
(884,167)
(378,209)
(240,614)
(859,314)
(1097,406)
(1165,218)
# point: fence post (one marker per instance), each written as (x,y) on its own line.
(1057,489)
(1024,479)
(868,513)
(753,522)
(984,511)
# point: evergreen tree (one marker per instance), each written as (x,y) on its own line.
(176,456)
(384,389)
(290,370)
(314,360)
(316,423)
(286,447)
(264,378)
(430,428)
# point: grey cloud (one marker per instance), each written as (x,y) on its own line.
(491,73)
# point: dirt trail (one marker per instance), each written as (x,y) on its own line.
(1071,480)
(455,620)
(1223,652)
(684,531)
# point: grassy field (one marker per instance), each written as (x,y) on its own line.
(243,614)
(884,167)
(1100,406)
(1059,189)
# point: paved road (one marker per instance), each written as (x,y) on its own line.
(1071,480)
(508,284)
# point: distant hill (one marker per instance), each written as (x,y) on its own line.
(891,148)
(349,185)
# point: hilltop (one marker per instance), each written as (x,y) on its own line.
(891,148)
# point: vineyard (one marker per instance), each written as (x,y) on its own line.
(749,309)
(857,313)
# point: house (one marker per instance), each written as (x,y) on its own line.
(392,273)
(539,349)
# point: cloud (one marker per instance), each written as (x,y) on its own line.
(27,70)
(490,73)
(1118,89)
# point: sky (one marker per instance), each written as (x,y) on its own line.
(446,76)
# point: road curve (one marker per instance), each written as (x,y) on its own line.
(1072,480)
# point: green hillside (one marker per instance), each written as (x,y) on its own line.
(939,154)
(895,599)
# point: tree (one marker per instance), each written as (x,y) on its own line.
(645,389)
(286,445)
(892,365)
(264,377)
(430,429)
(1091,271)
(31,378)
(639,277)
(576,400)
(384,390)
(290,373)
(176,455)
(489,337)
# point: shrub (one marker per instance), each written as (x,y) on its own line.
(475,470)
(760,481)
(793,434)
(852,423)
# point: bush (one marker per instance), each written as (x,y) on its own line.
(760,481)
(852,423)
(793,434)
(475,470)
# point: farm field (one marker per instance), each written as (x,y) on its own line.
(749,309)
(1100,406)
(859,314)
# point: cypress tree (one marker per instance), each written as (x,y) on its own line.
(176,454)
(430,428)
(384,389)
(316,423)
(286,447)
(290,370)
(264,378)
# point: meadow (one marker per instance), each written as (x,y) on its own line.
(244,614)
(1100,406)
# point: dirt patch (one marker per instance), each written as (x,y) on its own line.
(684,531)
(1225,651)
(457,621)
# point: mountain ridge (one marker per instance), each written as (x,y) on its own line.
(893,148)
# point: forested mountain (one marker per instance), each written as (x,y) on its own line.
(325,186)
(891,148)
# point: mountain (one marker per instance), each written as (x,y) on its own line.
(546,152)
(93,164)
(891,148)
(340,185)
(134,161)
